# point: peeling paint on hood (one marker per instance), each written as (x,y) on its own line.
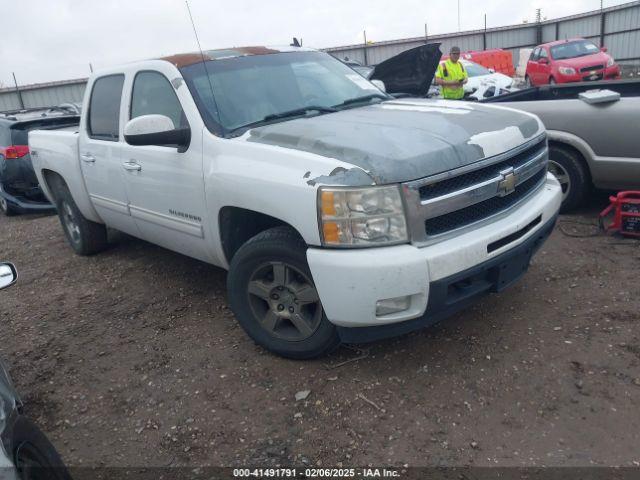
(405,139)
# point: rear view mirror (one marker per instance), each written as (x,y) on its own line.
(544,61)
(380,84)
(8,275)
(603,49)
(156,130)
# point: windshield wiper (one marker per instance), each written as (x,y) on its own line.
(365,98)
(297,112)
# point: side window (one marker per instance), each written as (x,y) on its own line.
(543,53)
(153,94)
(535,54)
(104,108)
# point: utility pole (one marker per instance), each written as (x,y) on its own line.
(18,91)
(458,15)
(426,34)
(366,60)
(91,67)
(484,34)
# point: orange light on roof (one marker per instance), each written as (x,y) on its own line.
(328,204)
(331,232)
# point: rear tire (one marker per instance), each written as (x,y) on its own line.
(6,208)
(572,174)
(272,295)
(84,236)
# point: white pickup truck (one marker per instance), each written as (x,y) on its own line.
(340,212)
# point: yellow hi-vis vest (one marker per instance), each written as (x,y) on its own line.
(450,71)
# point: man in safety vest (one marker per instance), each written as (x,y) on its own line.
(451,76)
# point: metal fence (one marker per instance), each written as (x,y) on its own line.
(617,28)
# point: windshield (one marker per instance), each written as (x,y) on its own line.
(248,89)
(573,50)
(475,70)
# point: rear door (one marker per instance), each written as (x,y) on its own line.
(165,185)
(101,147)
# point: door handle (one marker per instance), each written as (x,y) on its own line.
(132,166)
(88,158)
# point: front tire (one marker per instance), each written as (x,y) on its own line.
(272,294)
(572,174)
(84,236)
(33,454)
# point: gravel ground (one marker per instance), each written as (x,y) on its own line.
(132,358)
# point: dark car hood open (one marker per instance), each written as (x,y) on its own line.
(403,139)
(411,71)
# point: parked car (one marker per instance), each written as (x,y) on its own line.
(25,452)
(593,134)
(341,213)
(567,61)
(484,82)
(19,189)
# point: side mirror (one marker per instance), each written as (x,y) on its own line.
(8,275)
(603,49)
(544,61)
(156,130)
(380,84)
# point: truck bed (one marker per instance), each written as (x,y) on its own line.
(569,91)
(57,151)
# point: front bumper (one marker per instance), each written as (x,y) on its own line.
(351,282)
(609,73)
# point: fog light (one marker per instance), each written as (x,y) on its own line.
(392,305)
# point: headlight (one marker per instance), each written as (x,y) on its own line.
(567,70)
(361,217)
(611,62)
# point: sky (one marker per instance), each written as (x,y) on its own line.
(58,39)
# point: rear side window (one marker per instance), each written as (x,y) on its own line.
(543,53)
(5,136)
(104,108)
(153,94)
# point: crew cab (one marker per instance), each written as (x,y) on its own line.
(341,213)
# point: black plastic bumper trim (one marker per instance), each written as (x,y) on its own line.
(452,294)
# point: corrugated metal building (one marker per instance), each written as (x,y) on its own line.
(617,28)
(42,94)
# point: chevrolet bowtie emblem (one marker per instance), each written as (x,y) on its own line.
(508,183)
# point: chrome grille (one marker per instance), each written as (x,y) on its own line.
(442,204)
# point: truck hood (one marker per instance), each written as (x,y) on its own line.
(411,71)
(402,140)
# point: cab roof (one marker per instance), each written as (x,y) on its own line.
(185,59)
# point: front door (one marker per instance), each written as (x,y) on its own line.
(100,154)
(165,186)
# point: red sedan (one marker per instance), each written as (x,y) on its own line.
(572,60)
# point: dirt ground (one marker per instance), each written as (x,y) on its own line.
(132,358)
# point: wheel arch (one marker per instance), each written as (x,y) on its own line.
(574,144)
(238,225)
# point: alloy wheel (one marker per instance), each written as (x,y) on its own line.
(562,176)
(284,301)
(70,223)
